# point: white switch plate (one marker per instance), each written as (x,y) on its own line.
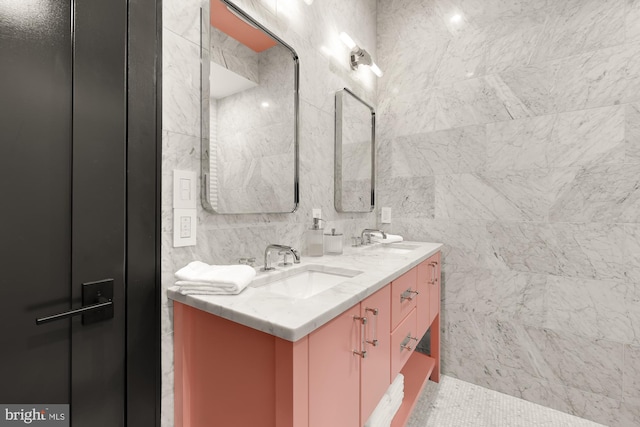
(184,227)
(386,216)
(184,189)
(316,213)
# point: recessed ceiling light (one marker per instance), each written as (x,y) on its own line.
(456,18)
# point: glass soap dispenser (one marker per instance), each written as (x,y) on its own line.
(333,244)
(315,239)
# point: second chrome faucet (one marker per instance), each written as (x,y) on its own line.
(281,249)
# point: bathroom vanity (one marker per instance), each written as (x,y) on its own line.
(312,345)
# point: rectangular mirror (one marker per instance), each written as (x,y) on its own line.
(355,153)
(249,84)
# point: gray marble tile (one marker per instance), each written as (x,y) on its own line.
(399,55)
(407,114)
(443,152)
(476,101)
(512,43)
(632,133)
(607,194)
(574,401)
(578,26)
(589,308)
(599,78)
(515,196)
(466,248)
(590,251)
(590,365)
(465,57)
(167,364)
(416,199)
(181,152)
(410,20)
(182,17)
(632,21)
(631,372)
(180,85)
(519,144)
(577,138)
(629,412)
(631,244)
(504,294)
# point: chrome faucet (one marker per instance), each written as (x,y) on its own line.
(281,248)
(367,232)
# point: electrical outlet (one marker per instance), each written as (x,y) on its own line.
(184,227)
(386,216)
(316,213)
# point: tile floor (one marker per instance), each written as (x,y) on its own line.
(455,403)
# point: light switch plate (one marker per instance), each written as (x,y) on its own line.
(184,227)
(386,216)
(184,189)
(316,213)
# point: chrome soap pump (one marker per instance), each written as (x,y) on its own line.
(315,239)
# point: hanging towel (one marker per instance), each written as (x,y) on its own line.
(199,278)
(391,238)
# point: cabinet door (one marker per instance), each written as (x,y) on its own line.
(375,368)
(334,372)
(434,286)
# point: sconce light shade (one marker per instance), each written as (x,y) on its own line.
(359,56)
(346,39)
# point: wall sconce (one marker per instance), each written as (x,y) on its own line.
(359,56)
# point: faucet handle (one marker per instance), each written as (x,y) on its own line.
(285,254)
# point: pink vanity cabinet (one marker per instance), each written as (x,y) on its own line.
(227,374)
(349,364)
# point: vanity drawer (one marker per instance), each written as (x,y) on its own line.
(403,296)
(403,341)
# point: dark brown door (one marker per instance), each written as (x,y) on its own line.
(62,215)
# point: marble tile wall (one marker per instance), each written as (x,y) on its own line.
(513,129)
(313,31)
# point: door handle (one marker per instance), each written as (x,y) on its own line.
(97,301)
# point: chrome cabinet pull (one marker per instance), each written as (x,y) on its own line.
(362,352)
(374,341)
(404,345)
(434,278)
(409,294)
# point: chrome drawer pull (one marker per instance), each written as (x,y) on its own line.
(405,342)
(409,294)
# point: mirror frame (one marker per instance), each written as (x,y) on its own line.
(205,57)
(338,150)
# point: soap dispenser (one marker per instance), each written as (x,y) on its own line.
(315,239)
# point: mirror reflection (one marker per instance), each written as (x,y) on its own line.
(249,115)
(354,153)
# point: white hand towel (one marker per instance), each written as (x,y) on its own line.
(200,278)
(391,238)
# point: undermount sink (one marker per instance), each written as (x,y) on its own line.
(394,248)
(308,281)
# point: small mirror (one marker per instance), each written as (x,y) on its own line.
(249,114)
(355,161)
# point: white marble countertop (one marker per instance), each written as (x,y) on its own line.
(291,318)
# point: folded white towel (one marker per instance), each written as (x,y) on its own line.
(391,238)
(393,409)
(397,385)
(204,279)
(379,414)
